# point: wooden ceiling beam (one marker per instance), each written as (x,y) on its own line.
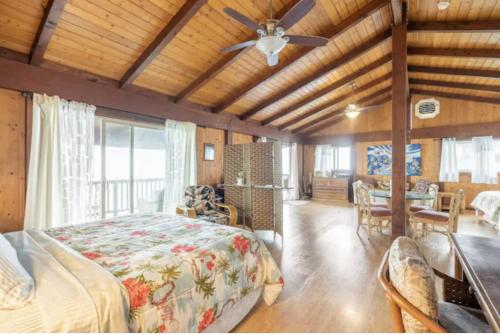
(45,30)
(488,100)
(19,76)
(455,27)
(455,71)
(467,86)
(335,101)
(224,62)
(330,88)
(340,111)
(333,33)
(468,53)
(183,16)
(338,119)
(350,56)
(457,131)
(397,12)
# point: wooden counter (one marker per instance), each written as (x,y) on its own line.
(331,189)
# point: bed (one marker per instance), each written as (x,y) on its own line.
(142,273)
(487,206)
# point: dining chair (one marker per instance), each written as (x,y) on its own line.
(432,189)
(431,220)
(409,283)
(374,215)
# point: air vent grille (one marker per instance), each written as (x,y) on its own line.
(427,108)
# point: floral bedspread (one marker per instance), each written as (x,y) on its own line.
(180,273)
(488,202)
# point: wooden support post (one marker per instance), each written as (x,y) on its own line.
(399,126)
(228,137)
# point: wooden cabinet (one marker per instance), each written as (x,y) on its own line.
(333,189)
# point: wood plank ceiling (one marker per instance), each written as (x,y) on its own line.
(175,45)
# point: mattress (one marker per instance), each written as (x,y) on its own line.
(142,273)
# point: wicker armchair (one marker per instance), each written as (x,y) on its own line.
(199,203)
(458,313)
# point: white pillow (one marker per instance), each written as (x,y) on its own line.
(16,285)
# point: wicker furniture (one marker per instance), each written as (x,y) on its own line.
(199,202)
(259,199)
(419,205)
(458,313)
(429,220)
(370,215)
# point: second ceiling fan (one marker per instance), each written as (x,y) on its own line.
(271,34)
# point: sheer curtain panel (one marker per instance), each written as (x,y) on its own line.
(324,159)
(448,171)
(180,153)
(294,193)
(484,168)
(60,167)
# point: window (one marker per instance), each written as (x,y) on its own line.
(464,155)
(129,166)
(329,158)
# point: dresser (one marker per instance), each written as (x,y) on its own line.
(331,189)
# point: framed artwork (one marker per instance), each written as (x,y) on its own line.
(209,151)
(380,160)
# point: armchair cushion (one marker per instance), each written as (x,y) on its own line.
(215,217)
(418,208)
(413,278)
(460,319)
(380,211)
(432,215)
(201,198)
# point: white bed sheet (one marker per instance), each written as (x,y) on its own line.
(72,294)
(488,203)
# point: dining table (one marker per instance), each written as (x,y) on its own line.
(410,196)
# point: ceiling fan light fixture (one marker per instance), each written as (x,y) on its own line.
(351,111)
(442,5)
(271,45)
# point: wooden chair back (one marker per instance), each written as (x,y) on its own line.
(455,203)
(364,198)
(397,303)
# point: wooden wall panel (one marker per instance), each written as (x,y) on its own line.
(209,172)
(453,112)
(12,160)
(242,138)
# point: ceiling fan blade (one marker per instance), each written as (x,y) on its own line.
(362,109)
(241,18)
(273,60)
(296,13)
(313,41)
(238,46)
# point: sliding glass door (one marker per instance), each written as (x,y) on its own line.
(129,168)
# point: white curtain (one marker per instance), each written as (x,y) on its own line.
(60,167)
(484,168)
(324,159)
(180,152)
(448,171)
(293,193)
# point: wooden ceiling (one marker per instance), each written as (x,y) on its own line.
(173,47)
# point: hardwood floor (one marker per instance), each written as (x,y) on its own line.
(330,272)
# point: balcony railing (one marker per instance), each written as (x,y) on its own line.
(117,196)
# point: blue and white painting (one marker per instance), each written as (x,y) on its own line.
(380,160)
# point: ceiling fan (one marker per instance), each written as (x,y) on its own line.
(352,110)
(271,34)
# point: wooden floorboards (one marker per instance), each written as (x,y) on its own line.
(330,272)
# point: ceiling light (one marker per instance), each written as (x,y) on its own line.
(351,111)
(271,45)
(442,5)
